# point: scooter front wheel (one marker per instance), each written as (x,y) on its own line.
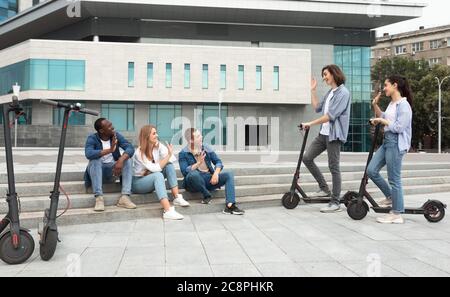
(48,246)
(348,197)
(290,200)
(13,256)
(434,211)
(357,209)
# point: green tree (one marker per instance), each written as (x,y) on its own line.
(424,86)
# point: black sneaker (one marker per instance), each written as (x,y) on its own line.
(233,210)
(206,201)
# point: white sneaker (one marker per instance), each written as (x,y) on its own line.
(385,203)
(332,207)
(172,214)
(391,219)
(179,201)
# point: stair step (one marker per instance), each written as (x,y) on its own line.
(39,203)
(112,214)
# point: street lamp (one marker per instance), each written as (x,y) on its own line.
(440,83)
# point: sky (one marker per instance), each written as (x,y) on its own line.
(437,13)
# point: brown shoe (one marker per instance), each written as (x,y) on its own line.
(125,202)
(99,204)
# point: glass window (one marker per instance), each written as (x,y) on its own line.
(204,76)
(149,75)
(130,74)
(417,47)
(75,75)
(223,77)
(210,124)
(75,119)
(168,75)
(187,76)
(39,74)
(400,50)
(121,115)
(241,77)
(162,116)
(258,77)
(57,75)
(43,74)
(276,78)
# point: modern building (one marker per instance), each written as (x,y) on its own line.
(247,62)
(432,45)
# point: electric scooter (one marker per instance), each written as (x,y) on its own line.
(49,234)
(357,208)
(16,245)
(291,199)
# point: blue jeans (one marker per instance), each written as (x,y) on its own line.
(389,155)
(197,181)
(155,182)
(103,173)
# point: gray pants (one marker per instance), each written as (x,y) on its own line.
(318,146)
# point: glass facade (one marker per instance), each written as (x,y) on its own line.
(258,78)
(163,116)
(223,77)
(355,62)
(168,75)
(121,115)
(276,78)
(208,122)
(43,74)
(240,77)
(75,119)
(8,8)
(204,76)
(149,75)
(130,74)
(187,76)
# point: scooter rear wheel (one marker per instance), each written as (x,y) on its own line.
(357,209)
(13,256)
(48,247)
(290,201)
(434,211)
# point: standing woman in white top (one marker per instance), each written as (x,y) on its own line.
(153,162)
(397,121)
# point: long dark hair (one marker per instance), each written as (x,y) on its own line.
(403,87)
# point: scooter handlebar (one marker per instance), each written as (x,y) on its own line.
(75,107)
(301,127)
(89,111)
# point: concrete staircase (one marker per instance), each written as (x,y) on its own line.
(257,186)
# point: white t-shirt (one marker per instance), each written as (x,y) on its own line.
(326,126)
(109,157)
(142,163)
(391,113)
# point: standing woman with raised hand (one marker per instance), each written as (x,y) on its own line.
(335,120)
(397,121)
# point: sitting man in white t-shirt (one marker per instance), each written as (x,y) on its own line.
(106,163)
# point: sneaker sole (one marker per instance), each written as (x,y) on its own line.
(126,207)
(332,211)
(232,213)
(178,204)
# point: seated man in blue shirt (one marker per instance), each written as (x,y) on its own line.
(196,161)
(106,163)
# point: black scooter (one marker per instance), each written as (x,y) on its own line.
(357,208)
(49,234)
(292,199)
(16,245)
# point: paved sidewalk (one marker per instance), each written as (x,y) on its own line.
(264,242)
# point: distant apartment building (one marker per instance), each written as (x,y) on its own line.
(431,44)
